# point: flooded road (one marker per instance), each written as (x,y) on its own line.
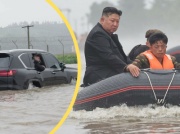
(34,111)
(123,120)
(128,120)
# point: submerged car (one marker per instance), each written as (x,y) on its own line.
(175,51)
(17,70)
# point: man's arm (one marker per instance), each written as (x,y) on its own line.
(38,66)
(176,64)
(140,62)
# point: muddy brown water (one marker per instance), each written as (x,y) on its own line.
(34,111)
(123,119)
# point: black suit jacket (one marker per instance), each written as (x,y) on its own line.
(137,50)
(104,55)
(38,66)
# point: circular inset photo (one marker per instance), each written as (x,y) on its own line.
(38,66)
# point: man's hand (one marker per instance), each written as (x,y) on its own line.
(134,70)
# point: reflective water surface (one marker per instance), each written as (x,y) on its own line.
(34,111)
(124,120)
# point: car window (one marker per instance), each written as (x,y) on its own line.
(25,60)
(51,61)
(4,60)
(41,59)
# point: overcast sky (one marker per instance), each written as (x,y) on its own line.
(26,10)
(39,10)
(78,10)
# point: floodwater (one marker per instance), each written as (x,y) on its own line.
(34,111)
(127,120)
(123,120)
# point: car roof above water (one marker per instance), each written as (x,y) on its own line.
(17,51)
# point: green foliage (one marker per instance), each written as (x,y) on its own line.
(47,29)
(166,12)
(96,11)
(68,58)
(43,36)
(136,18)
(133,12)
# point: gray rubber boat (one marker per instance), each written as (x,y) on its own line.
(160,87)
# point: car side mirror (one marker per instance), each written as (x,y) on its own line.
(62,66)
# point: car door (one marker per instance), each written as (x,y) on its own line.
(26,73)
(54,66)
(46,76)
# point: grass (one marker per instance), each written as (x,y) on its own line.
(68,58)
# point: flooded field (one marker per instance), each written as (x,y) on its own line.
(126,120)
(34,111)
(123,120)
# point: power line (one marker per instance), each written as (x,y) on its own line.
(28,26)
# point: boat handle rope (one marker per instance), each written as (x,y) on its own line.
(160,101)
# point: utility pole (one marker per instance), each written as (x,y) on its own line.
(63,48)
(47,47)
(31,45)
(68,11)
(28,26)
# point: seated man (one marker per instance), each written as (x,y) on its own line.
(37,63)
(155,57)
(141,48)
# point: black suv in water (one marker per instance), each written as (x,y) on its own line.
(17,69)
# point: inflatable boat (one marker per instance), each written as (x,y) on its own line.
(151,87)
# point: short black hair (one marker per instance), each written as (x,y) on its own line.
(111,10)
(151,31)
(37,54)
(158,37)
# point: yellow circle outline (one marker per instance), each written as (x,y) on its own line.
(79,66)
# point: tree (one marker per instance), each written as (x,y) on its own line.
(96,11)
(135,19)
(134,15)
(165,14)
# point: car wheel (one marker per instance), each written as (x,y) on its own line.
(72,81)
(30,85)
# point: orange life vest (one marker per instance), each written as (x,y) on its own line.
(155,64)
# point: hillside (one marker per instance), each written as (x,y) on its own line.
(46,36)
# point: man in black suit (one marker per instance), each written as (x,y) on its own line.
(103,52)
